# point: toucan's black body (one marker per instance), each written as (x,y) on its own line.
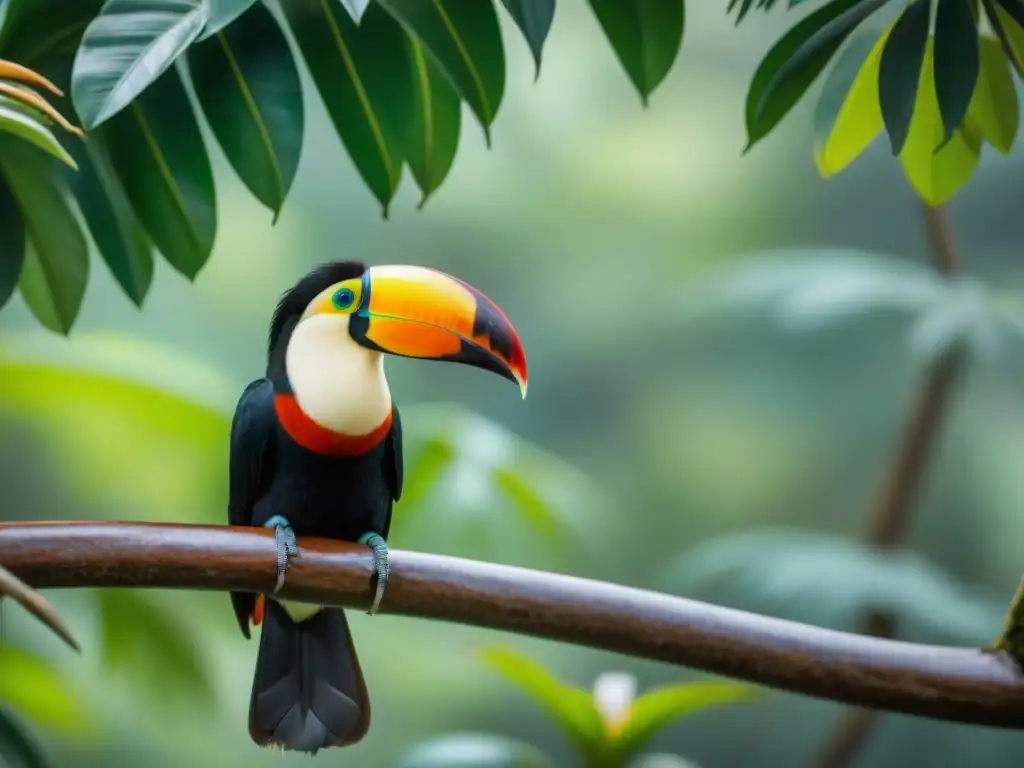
(308,690)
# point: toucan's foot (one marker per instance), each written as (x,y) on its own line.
(380,565)
(287,547)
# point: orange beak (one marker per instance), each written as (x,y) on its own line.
(419,312)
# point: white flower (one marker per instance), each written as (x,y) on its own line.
(614,693)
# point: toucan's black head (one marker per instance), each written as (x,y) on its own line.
(403,310)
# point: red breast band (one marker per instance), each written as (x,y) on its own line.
(318,439)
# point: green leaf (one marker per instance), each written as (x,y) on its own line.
(355,8)
(572,709)
(847,117)
(995,109)
(12,242)
(128,47)
(222,13)
(15,120)
(56,267)
(533,17)
(532,507)
(464,39)
(365,80)
(157,152)
(646,36)
(796,60)
(17,745)
(430,461)
(658,707)
(899,72)
(36,691)
(150,644)
(957,61)
(249,88)
(937,175)
(436,122)
(1009,32)
(121,241)
(38,32)
(474,750)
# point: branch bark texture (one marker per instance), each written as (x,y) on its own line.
(892,508)
(957,684)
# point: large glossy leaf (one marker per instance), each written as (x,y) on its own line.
(38,32)
(660,706)
(957,61)
(899,72)
(572,709)
(995,108)
(142,638)
(157,152)
(15,121)
(364,77)
(33,602)
(222,13)
(249,88)
(833,582)
(937,175)
(17,747)
(435,126)
(847,117)
(645,34)
(121,241)
(56,267)
(128,47)
(464,38)
(796,60)
(12,242)
(35,690)
(474,750)
(533,17)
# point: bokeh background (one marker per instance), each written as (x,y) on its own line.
(598,226)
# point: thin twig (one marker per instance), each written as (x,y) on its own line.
(893,505)
(956,684)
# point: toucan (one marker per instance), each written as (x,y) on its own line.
(316,450)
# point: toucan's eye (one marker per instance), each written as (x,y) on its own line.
(343,298)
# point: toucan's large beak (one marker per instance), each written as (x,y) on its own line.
(419,312)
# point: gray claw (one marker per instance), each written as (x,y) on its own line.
(287,546)
(379,546)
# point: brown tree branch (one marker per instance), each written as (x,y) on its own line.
(894,502)
(957,684)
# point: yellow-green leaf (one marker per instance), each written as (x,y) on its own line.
(531,505)
(995,109)
(34,689)
(842,132)
(937,175)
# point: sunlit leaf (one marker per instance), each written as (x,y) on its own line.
(464,39)
(660,706)
(36,691)
(222,13)
(364,77)
(796,60)
(532,507)
(157,151)
(847,117)
(995,109)
(119,236)
(429,461)
(899,71)
(33,602)
(249,88)
(16,122)
(572,709)
(144,640)
(12,242)
(833,582)
(435,126)
(533,17)
(937,175)
(17,747)
(957,61)
(645,34)
(56,267)
(474,750)
(126,48)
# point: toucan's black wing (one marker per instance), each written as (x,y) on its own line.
(393,468)
(250,467)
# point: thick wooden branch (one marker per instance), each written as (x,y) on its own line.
(959,684)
